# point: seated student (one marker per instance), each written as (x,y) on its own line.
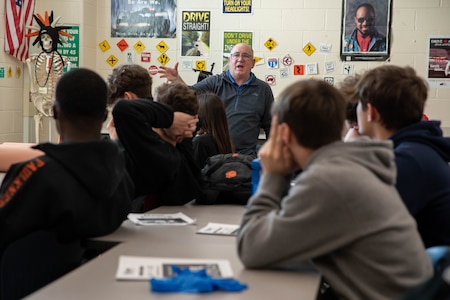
(131,81)
(182,99)
(78,188)
(162,165)
(342,211)
(391,104)
(152,164)
(348,88)
(213,137)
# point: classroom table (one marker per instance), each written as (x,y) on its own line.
(96,278)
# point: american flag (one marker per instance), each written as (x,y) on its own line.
(19,15)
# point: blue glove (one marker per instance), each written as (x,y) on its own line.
(187,281)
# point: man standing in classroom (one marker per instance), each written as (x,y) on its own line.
(247,99)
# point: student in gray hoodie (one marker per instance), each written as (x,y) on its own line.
(343,211)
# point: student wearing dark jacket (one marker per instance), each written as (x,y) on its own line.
(422,156)
(156,137)
(79,188)
(164,173)
(391,105)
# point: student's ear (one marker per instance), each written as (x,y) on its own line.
(285,133)
(372,113)
(130,95)
(126,95)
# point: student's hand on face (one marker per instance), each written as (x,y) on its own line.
(111,129)
(184,124)
(351,134)
(171,74)
(275,155)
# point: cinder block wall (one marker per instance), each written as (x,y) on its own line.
(291,23)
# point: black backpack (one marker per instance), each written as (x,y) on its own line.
(227,179)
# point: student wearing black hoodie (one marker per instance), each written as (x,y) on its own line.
(156,137)
(79,188)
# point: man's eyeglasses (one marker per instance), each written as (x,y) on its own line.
(244,56)
(369,20)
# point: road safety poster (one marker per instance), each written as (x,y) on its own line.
(231,38)
(195,33)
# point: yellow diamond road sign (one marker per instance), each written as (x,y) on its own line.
(139,46)
(104,46)
(163,59)
(162,47)
(270,44)
(112,60)
(200,65)
(309,49)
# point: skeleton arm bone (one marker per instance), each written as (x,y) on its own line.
(30,64)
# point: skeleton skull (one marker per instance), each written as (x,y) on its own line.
(47,42)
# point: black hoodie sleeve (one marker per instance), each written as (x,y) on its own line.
(152,160)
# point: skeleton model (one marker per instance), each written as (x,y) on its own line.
(46,67)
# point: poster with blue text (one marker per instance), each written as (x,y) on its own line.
(195,29)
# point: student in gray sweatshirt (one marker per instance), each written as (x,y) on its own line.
(343,211)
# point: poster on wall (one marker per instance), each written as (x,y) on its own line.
(438,74)
(237,6)
(144,18)
(71,47)
(365,30)
(231,38)
(195,29)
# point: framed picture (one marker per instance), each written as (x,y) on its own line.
(365,30)
(144,18)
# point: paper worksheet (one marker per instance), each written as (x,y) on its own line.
(144,268)
(219,229)
(160,219)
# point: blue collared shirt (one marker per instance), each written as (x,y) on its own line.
(240,87)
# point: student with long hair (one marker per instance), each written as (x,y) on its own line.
(213,136)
